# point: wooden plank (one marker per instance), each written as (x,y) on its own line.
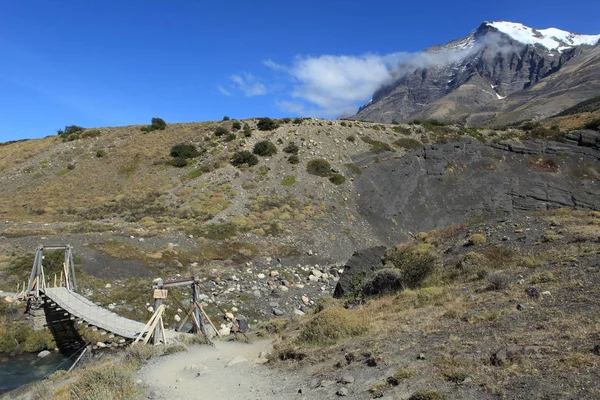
(206,316)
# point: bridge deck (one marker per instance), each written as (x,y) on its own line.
(83,308)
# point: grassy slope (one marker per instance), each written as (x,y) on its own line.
(458,322)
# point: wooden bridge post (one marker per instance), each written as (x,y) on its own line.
(197,314)
(160,294)
(36,276)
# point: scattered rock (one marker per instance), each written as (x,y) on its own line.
(278,312)
(101,345)
(196,367)
(43,353)
(506,356)
(326,383)
(467,381)
(261,276)
(342,392)
(274,274)
(421,356)
(347,379)
(532,292)
(361,265)
(107,286)
(236,360)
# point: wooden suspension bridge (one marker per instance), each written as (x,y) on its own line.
(63,306)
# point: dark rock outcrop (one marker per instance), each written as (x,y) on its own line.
(443,184)
(359,268)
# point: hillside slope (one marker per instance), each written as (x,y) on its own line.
(121,181)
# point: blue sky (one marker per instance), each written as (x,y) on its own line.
(110,63)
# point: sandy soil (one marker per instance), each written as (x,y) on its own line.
(206,373)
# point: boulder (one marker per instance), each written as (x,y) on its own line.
(43,353)
(360,268)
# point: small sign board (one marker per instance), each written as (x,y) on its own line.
(160,293)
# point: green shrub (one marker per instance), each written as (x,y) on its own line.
(427,395)
(337,179)
(291,148)
(289,180)
(266,124)
(416,263)
(38,340)
(236,126)
(355,169)
(184,150)
(230,137)
(298,121)
(286,120)
(476,239)
(319,167)
(156,124)
(498,280)
(247,131)
(226,118)
(219,231)
(551,236)
(265,148)
(376,145)
(293,159)
(70,130)
(331,325)
(100,153)
(178,162)
(244,157)
(351,138)
(408,144)
(220,131)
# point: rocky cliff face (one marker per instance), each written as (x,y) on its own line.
(448,183)
(474,73)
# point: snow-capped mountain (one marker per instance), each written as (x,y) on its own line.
(479,73)
(551,38)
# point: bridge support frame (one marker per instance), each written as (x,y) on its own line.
(196,314)
(37,280)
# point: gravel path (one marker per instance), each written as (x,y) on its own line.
(228,370)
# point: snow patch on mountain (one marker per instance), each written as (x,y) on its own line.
(551,38)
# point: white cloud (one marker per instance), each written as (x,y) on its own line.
(248,84)
(337,84)
(223,91)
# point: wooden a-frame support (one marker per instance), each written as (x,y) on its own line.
(37,280)
(154,325)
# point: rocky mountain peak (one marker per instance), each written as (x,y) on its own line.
(476,73)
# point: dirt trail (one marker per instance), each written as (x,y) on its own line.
(212,373)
